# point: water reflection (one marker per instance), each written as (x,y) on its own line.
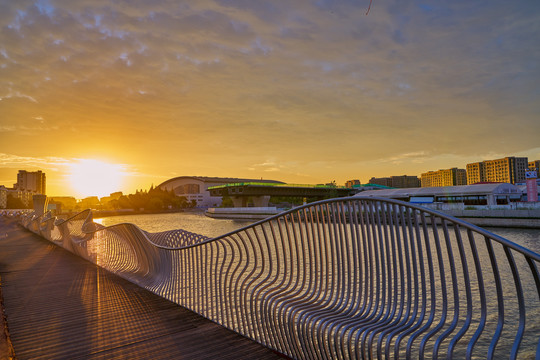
(194,222)
(201,224)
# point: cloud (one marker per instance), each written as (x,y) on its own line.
(291,81)
(17,94)
(10,160)
(416,157)
(268,166)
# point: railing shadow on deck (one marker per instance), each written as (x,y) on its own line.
(343,278)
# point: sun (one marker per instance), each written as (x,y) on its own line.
(95,178)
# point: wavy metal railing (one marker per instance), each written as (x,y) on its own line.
(343,278)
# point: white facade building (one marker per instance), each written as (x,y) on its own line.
(196,188)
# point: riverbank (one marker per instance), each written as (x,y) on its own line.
(242,213)
(499,217)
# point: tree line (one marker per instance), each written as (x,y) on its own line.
(154,199)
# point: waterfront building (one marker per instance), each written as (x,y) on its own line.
(351,183)
(447,177)
(480,194)
(195,188)
(32,181)
(506,170)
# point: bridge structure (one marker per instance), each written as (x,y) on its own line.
(260,193)
(56,305)
(344,278)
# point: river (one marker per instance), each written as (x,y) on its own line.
(529,238)
(201,224)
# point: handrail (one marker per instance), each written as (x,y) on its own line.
(345,278)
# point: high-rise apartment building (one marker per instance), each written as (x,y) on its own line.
(461,177)
(475,173)
(534,165)
(506,170)
(34,182)
(447,177)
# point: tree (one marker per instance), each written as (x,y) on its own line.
(154,204)
(226,202)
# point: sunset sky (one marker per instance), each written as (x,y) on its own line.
(298,91)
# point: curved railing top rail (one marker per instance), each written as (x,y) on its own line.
(202,239)
(88,217)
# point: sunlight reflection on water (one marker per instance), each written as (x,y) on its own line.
(194,222)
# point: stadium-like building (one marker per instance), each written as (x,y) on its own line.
(196,188)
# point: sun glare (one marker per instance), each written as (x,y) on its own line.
(95,178)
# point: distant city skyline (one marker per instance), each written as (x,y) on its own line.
(103,96)
(446,175)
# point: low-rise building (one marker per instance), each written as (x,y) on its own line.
(24,196)
(90,202)
(405,181)
(68,202)
(3,197)
(383,181)
(113,196)
(351,183)
(480,194)
(401,181)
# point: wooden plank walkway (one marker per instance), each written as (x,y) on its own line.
(59,306)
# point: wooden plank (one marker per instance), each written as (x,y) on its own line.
(59,306)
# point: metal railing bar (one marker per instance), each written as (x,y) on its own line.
(444,301)
(500,301)
(468,293)
(455,288)
(391,243)
(406,328)
(521,303)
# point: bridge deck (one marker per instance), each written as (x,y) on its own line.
(60,306)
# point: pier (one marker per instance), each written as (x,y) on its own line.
(60,306)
